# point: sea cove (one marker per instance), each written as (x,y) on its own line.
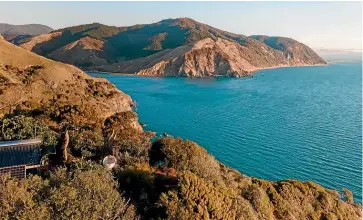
(289,123)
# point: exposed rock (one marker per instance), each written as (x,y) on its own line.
(218,57)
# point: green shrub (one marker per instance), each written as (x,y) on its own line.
(19,199)
(185,156)
(130,145)
(87,143)
(196,198)
(22,127)
(85,191)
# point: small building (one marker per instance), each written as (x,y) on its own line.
(22,157)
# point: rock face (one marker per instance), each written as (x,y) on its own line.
(29,81)
(171,47)
(218,57)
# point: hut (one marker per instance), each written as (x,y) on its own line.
(21,157)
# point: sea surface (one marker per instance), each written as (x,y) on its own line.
(290,123)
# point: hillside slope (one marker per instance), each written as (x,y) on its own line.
(29,81)
(121,46)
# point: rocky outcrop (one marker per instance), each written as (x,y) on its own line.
(297,53)
(218,57)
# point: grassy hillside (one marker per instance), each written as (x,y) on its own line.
(123,43)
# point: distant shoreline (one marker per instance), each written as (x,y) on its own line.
(343,61)
(216,76)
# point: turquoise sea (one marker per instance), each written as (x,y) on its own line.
(302,122)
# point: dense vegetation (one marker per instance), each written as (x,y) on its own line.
(168,179)
(96,30)
(83,190)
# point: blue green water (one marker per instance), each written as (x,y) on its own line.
(303,123)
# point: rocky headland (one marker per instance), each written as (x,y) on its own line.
(171,47)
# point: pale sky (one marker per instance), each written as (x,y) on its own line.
(335,25)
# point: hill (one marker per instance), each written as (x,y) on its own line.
(18,33)
(108,48)
(30,29)
(219,57)
(29,82)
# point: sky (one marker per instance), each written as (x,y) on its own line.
(333,25)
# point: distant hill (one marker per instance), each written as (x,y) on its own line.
(340,55)
(16,33)
(109,48)
(30,29)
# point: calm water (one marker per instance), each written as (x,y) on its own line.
(302,123)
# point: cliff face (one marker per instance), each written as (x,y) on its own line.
(29,81)
(172,47)
(297,52)
(217,57)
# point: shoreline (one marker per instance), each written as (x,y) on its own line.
(344,61)
(213,76)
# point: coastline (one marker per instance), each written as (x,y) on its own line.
(250,73)
(344,61)
(229,165)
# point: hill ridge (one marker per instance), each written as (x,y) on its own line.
(132,44)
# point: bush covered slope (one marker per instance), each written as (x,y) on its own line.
(169,178)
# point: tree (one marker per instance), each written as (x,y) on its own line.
(19,199)
(185,156)
(22,127)
(87,143)
(197,198)
(83,191)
